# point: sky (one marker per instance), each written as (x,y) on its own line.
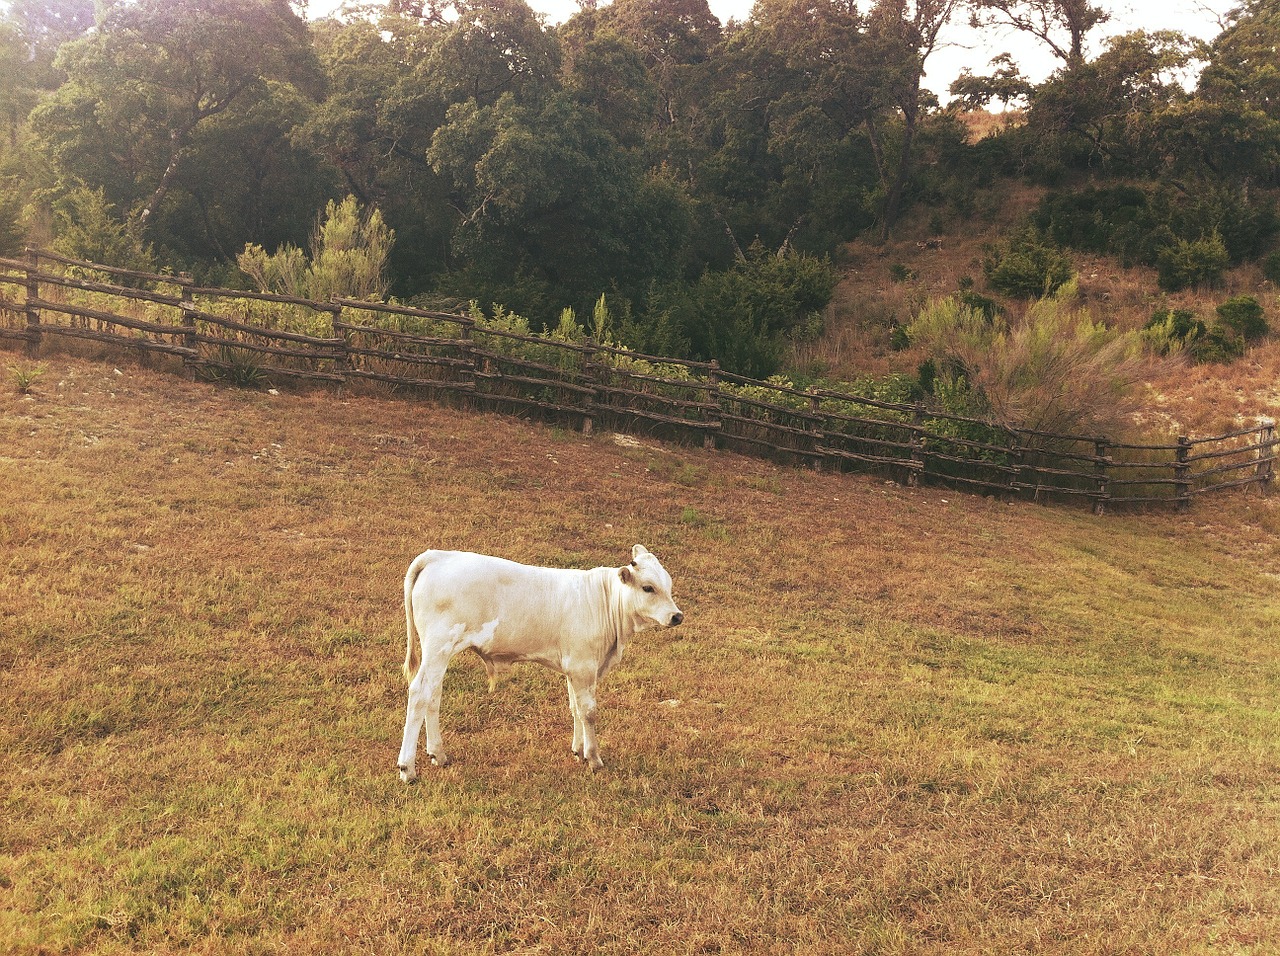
(974,49)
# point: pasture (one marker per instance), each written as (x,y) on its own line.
(895,720)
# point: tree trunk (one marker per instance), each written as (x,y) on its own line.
(177,146)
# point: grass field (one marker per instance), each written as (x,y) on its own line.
(895,721)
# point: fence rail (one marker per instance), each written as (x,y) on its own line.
(235,335)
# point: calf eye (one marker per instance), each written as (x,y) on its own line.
(648,589)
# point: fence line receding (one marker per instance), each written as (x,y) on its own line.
(238,336)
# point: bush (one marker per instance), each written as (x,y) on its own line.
(349,251)
(1169,331)
(86,228)
(1271,266)
(1243,316)
(745,316)
(1217,345)
(1027,267)
(1110,221)
(1186,264)
(1056,371)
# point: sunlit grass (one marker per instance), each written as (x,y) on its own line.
(896,720)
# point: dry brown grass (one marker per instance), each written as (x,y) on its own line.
(896,720)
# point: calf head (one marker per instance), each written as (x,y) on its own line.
(648,591)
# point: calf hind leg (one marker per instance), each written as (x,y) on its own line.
(423,713)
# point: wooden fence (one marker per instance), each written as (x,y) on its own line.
(237,336)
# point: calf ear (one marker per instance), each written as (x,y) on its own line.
(624,573)
(638,550)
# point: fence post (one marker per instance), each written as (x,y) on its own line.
(33,293)
(1266,454)
(342,361)
(189,362)
(917,446)
(1181,472)
(589,374)
(815,428)
(1100,448)
(1015,462)
(713,381)
(471,398)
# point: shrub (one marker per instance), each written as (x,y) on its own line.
(349,251)
(1271,266)
(1027,267)
(86,227)
(1097,220)
(1217,345)
(980,303)
(1185,264)
(1056,371)
(1169,331)
(745,316)
(1243,316)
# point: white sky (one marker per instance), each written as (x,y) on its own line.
(964,47)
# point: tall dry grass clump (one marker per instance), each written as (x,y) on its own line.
(1056,369)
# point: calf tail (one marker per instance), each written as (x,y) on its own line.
(413,646)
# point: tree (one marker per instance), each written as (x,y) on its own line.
(1106,110)
(906,33)
(153,73)
(1231,126)
(549,209)
(1061,25)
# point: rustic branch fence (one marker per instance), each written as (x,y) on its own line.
(236,336)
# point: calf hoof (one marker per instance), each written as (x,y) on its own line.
(596,764)
(439,760)
(407,775)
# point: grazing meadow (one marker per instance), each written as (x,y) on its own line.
(896,720)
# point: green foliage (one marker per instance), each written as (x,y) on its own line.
(1026,267)
(1170,331)
(1271,267)
(1188,264)
(12,235)
(86,227)
(238,368)
(349,251)
(145,86)
(743,317)
(1111,220)
(1242,315)
(633,149)
(1217,345)
(552,210)
(25,377)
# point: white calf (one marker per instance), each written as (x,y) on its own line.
(575,622)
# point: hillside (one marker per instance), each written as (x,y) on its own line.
(895,720)
(885,285)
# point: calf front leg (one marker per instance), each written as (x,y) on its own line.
(582,699)
(577,721)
